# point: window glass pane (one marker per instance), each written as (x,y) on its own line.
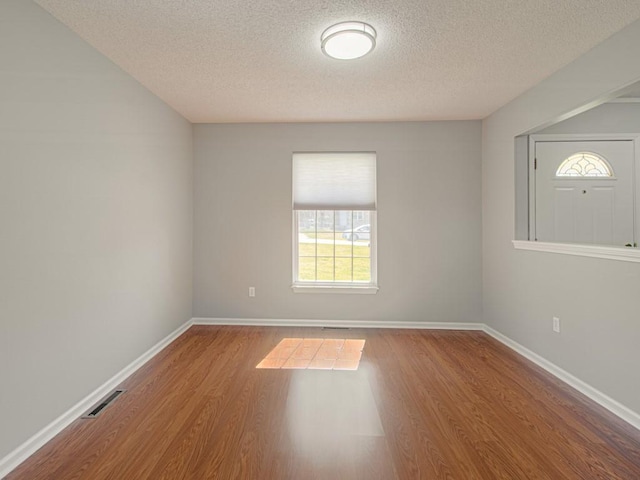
(343,219)
(362,249)
(325,269)
(325,248)
(325,221)
(344,248)
(361,218)
(361,270)
(307,221)
(360,237)
(307,269)
(343,270)
(307,248)
(306,234)
(340,238)
(361,234)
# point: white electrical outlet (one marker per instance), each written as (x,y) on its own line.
(252,291)
(556,324)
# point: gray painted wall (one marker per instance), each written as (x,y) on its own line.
(607,118)
(95,220)
(597,300)
(96,190)
(429,221)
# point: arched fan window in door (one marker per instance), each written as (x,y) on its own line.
(584,164)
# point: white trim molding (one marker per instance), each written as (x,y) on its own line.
(624,254)
(615,407)
(28,448)
(288,322)
(362,290)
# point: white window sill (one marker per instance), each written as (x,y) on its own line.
(624,254)
(365,289)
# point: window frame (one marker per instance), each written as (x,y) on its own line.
(333,286)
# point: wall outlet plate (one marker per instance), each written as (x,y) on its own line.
(252,291)
(556,324)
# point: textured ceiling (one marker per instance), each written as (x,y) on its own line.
(260,60)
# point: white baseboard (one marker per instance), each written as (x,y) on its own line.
(597,396)
(287,322)
(24,451)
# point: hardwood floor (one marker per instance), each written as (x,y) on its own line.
(422,405)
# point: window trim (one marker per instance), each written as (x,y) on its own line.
(368,289)
(337,287)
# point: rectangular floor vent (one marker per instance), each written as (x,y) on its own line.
(104,403)
(335,328)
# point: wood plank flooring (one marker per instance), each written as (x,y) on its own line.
(422,405)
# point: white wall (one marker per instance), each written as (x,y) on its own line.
(607,118)
(429,220)
(597,300)
(95,220)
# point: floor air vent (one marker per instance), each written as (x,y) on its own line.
(104,403)
(335,328)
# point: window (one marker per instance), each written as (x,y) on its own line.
(334,203)
(584,164)
(332,247)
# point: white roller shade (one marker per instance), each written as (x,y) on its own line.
(334,181)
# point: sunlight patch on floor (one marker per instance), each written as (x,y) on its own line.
(315,354)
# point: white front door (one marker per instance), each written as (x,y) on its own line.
(584,192)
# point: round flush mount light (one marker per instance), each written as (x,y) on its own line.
(348,40)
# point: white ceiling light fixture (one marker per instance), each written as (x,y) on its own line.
(348,40)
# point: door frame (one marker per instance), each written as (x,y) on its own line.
(582,137)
